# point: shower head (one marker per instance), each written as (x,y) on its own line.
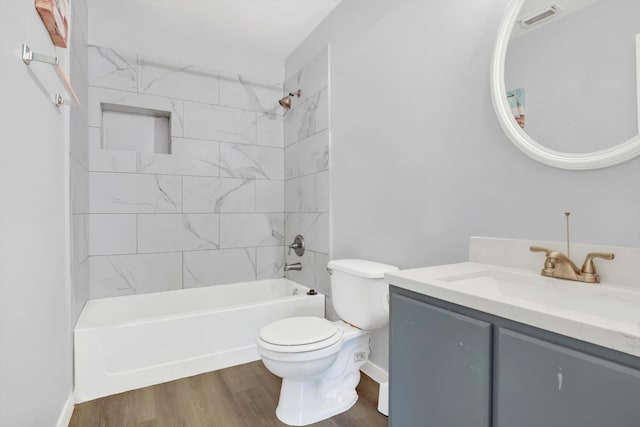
(286,101)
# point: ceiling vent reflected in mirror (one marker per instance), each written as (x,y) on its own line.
(540,15)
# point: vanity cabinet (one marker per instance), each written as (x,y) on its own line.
(434,352)
(538,383)
(451,366)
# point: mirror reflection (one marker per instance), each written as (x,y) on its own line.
(570,73)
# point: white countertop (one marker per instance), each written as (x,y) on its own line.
(606,314)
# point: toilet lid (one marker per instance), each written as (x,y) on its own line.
(296,331)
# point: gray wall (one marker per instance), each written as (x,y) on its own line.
(418,160)
(35,313)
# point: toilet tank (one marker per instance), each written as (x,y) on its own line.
(358,292)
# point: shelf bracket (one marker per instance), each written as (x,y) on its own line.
(29,56)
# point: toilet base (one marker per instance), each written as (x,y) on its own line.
(332,392)
(301,405)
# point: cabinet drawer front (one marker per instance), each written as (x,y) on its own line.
(538,383)
(440,367)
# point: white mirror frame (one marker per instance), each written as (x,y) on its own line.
(571,161)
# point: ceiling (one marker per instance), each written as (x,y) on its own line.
(249,33)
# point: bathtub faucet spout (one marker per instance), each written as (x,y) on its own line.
(295,266)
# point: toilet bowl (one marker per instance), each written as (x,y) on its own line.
(318,377)
(319,360)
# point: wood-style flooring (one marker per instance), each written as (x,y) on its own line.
(242,396)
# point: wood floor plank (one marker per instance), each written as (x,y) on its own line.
(172,407)
(218,399)
(241,378)
(241,396)
(258,408)
(130,409)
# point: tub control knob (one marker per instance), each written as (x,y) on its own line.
(297,245)
(312,292)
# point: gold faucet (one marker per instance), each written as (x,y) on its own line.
(558,265)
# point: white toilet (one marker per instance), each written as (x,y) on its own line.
(319,360)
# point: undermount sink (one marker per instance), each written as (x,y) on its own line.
(534,291)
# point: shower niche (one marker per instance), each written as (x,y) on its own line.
(142,130)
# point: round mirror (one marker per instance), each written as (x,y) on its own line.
(564,80)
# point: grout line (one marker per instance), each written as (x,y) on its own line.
(200,70)
(201,213)
(299,141)
(137,73)
(219,231)
(255,196)
(224,106)
(136,254)
(255,252)
(185,100)
(176,251)
(165,174)
(234,248)
(135,92)
(219,88)
(226,142)
(137,233)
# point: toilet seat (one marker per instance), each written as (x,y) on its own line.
(299,334)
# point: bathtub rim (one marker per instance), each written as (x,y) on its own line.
(81,324)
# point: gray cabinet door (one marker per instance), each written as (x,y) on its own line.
(440,367)
(540,384)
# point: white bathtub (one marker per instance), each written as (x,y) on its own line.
(128,342)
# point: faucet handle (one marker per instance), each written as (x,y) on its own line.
(549,262)
(540,249)
(588,267)
(297,245)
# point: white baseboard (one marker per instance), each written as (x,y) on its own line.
(380,376)
(376,373)
(67,411)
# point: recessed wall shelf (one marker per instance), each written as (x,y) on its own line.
(129,128)
(29,56)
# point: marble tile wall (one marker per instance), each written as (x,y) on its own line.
(212,211)
(79,161)
(306,173)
